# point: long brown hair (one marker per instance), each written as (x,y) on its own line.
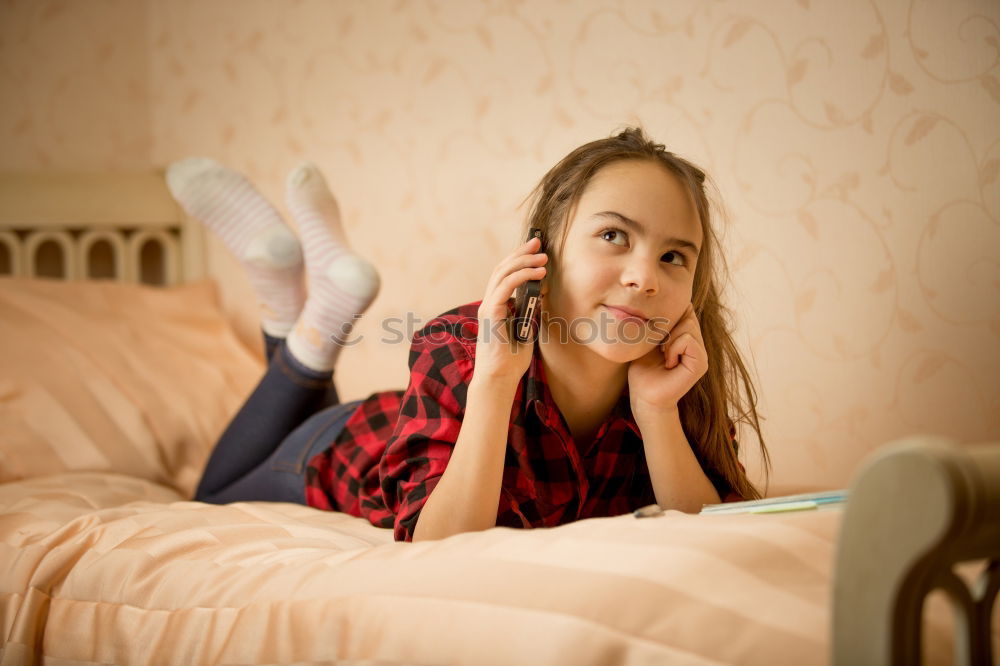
(706,409)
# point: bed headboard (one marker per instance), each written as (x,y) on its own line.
(122,226)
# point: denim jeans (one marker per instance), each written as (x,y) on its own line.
(293,414)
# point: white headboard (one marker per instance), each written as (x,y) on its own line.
(122,226)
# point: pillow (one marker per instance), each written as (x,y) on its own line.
(104,376)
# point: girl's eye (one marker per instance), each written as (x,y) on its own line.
(613,232)
(676,255)
(673,256)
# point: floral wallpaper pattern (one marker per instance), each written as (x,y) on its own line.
(855,145)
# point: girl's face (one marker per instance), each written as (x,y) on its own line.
(633,243)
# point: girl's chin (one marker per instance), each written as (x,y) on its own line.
(620,352)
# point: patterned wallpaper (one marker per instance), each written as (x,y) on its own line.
(856,146)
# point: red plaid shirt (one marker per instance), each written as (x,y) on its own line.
(394,448)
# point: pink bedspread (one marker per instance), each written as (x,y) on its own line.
(110,401)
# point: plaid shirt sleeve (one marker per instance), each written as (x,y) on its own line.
(430,417)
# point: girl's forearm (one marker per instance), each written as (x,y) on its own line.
(678,479)
(467,496)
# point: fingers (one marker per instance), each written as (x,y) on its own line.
(509,284)
(526,255)
(527,260)
(524,249)
(514,270)
(676,349)
(530,245)
(688,350)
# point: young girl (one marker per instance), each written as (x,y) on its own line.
(623,399)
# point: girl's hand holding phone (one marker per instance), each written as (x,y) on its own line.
(658,380)
(498,355)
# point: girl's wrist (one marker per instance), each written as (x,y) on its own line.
(659,424)
(642,411)
(494,385)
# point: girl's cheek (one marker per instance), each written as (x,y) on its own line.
(678,305)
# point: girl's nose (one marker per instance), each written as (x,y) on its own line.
(640,274)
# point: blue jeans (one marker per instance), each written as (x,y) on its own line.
(293,414)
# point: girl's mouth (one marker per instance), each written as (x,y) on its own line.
(622,313)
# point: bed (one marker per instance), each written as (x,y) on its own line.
(119,371)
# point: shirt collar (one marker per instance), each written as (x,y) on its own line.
(536,392)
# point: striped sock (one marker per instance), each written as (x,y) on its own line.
(228,204)
(341,284)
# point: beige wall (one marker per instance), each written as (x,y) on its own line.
(856,145)
(74,85)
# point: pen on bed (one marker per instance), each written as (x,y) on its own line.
(648,511)
(778,508)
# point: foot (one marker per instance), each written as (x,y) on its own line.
(229,205)
(341,284)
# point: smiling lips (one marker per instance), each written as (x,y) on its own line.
(626,314)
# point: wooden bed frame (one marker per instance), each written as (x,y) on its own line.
(916,508)
(118,226)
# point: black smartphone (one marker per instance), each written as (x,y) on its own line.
(527,299)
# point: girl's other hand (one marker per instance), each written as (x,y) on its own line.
(498,355)
(658,380)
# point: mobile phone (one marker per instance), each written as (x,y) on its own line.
(527,298)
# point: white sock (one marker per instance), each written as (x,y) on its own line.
(228,204)
(341,284)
